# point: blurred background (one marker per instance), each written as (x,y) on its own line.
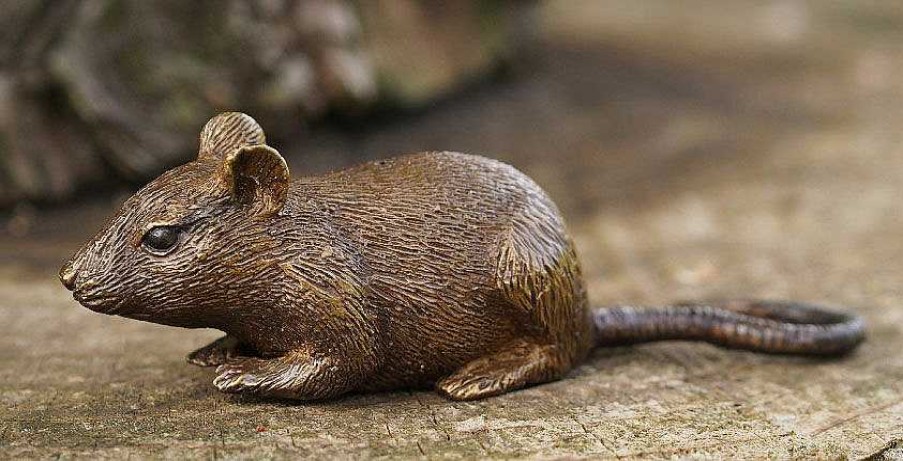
(99,93)
(697,148)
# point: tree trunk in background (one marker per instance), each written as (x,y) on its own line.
(99,90)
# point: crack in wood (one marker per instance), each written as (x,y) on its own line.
(884,454)
(868,411)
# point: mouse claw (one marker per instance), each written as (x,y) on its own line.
(215,353)
(233,379)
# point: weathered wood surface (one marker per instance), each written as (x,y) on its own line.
(708,161)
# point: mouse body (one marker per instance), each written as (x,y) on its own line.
(431,269)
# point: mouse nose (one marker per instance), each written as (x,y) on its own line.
(67,276)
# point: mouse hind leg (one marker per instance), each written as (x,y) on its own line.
(521,363)
(539,277)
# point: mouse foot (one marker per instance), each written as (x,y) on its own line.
(216,353)
(296,375)
(520,364)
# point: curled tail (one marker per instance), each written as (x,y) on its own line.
(776,327)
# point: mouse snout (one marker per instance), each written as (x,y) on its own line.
(67,275)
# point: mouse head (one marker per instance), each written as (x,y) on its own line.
(175,249)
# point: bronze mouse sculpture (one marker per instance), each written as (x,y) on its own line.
(431,269)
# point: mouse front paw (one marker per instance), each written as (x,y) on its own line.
(216,353)
(293,376)
(238,376)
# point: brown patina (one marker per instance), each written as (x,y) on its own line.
(432,269)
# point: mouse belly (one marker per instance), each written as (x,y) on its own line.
(529,324)
(420,349)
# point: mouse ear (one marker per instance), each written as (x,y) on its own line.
(227,132)
(257,176)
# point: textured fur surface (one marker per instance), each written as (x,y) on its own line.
(428,269)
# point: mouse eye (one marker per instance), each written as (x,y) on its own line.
(160,239)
